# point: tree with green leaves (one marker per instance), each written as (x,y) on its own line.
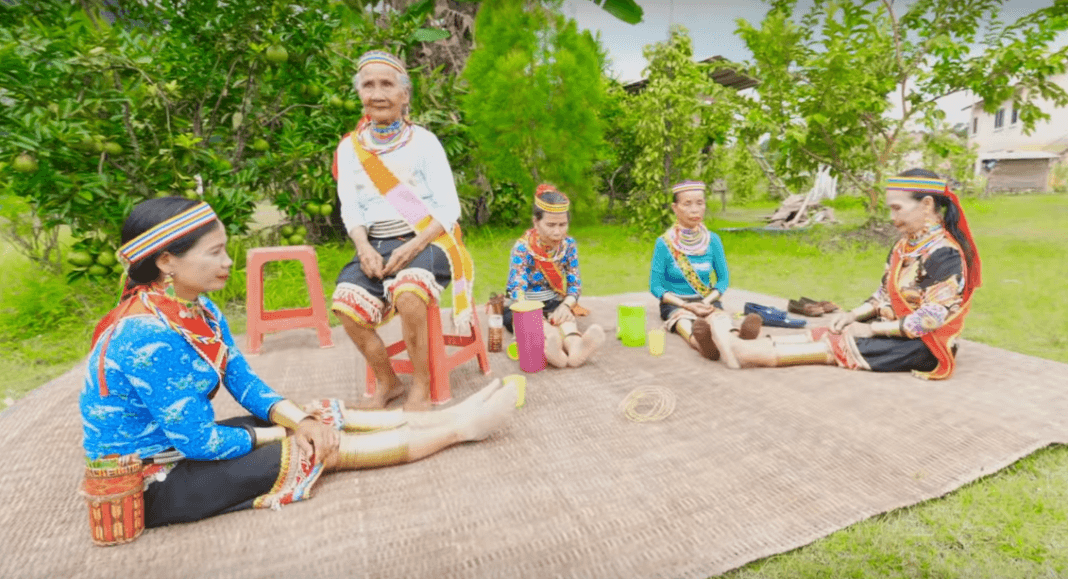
(678,117)
(534,91)
(230,102)
(827,78)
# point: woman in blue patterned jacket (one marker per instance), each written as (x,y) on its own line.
(162,354)
(544,266)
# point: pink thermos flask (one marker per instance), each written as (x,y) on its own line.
(529,335)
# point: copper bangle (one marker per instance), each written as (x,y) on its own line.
(267,434)
(368,420)
(383,448)
(891,328)
(288,414)
(799,354)
(863,311)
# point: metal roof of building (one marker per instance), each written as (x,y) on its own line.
(724,77)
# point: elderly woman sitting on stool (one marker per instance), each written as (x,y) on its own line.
(400,207)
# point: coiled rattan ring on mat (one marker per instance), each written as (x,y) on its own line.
(648,404)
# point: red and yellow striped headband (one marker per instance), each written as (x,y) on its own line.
(550,207)
(917,184)
(166,232)
(687,186)
(380,57)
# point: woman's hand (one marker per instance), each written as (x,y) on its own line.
(401,257)
(700,309)
(312,433)
(858,330)
(840,321)
(370,261)
(561,314)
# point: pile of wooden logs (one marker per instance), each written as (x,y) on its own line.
(796,212)
(805,210)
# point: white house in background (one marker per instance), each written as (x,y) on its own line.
(1011,160)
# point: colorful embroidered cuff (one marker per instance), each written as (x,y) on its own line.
(262,436)
(285,413)
(891,328)
(863,311)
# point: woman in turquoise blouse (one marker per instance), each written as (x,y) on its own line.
(684,259)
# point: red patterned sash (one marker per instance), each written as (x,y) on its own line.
(202,332)
(547,263)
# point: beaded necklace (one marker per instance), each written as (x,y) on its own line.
(924,240)
(691,241)
(206,340)
(381,140)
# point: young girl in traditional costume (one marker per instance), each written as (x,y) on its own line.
(544,267)
(912,321)
(684,259)
(400,208)
(162,354)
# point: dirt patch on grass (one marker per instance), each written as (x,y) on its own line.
(865,236)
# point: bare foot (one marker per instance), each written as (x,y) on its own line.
(750,328)
(381,398)
(418,399)
(554,349)
(591,340)
(720,325)
(457,413)
(702,336)
(477,423)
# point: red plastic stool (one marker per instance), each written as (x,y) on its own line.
(261,322)
(441,363)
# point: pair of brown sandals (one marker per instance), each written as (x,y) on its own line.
(811,308)
(702,334)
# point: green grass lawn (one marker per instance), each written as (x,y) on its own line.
(1011,524)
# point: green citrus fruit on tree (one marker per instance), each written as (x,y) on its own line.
(287,230)
(350,105)
(25,163)
(190,194)
(80,259)
(312,209)
(277,54)
(98,270)
(117,269)
(112,148)
(326,210)
(106,259)
(301,230)
(336,101)
(296,239)
(285,241)
(260,144)
(314,90)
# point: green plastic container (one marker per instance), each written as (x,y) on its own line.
(631,319)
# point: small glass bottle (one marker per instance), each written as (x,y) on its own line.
(496,323)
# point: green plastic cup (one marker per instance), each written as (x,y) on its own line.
(632,324)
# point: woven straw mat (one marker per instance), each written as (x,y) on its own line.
(751,463)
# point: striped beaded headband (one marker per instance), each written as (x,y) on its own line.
(688,186)
(380,57)
(918,184)
(165,233)
(550,207)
